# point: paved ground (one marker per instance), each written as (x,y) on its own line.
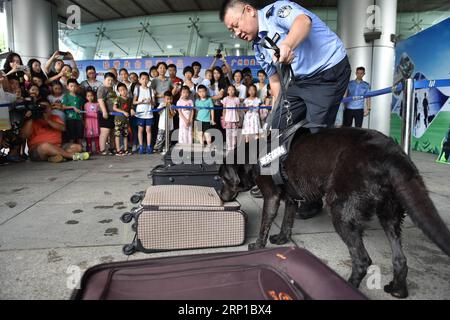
(56,219)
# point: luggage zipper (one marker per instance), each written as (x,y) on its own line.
(212,270)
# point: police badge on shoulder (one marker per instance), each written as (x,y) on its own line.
(284,11)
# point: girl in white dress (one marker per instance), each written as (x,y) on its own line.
(251,126)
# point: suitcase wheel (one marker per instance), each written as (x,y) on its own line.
(134,227)
(128,249)
(126,217)
(136,199)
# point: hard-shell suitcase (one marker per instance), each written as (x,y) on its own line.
(184,217)
(285,273)
(187,174)
(192,154)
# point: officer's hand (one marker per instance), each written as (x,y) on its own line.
(286,54)
(28,115)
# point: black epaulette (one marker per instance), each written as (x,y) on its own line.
(269,12)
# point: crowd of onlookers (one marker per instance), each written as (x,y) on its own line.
(56,116)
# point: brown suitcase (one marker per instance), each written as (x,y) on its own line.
(285,273)
(185,217)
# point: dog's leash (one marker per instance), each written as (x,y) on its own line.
(286,75)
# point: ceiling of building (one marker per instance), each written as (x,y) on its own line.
(178,27)
(98,10)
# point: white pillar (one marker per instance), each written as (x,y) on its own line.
(202,46)
(355,18)
(89,53)
(32,28)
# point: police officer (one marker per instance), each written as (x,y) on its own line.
(316,54)
(356,109)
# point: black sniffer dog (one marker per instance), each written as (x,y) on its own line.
(360,174)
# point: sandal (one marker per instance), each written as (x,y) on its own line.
(103,153)
(120,153)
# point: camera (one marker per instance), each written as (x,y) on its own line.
(62,55)
(37,109)
(218,54)
(22,68)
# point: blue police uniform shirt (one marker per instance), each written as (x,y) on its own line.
(356,88)
(321,50)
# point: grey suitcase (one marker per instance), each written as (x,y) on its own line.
(184,217)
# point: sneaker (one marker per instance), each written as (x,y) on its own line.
(80,156)
(256,193)
(15,159)
(141,150)
(56,159)
(149,150)
(134,149)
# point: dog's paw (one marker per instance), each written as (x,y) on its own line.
(279,239)
(397,291)
(255,246)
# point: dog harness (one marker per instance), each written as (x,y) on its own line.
(286,137)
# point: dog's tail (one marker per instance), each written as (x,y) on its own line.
(413,195)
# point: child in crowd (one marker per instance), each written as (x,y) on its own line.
(144,101)
(205,115)
(165,105)
(154,73)
(208,77)
(72,105)
(186,116)
(43,89)
(264,113)
(252,122)
(123,105)
(91,127)
(66,75)
(231,117)
(55,100)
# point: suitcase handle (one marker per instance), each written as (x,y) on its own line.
(150,175)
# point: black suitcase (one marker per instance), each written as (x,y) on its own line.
(187,174)
(192,154)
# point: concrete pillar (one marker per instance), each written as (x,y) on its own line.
(355,19)
(201,49)
(89,53)
(32,28)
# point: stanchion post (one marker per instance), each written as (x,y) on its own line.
(167,130)
(408,119)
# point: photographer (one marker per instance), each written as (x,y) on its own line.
(14,67)
(226,69)
(55,70)
(44,136)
